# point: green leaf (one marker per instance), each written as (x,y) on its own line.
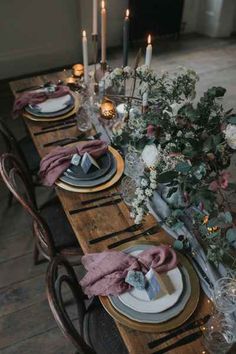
(183,167)
(232,120)
(208,144)
(231,235)
(168,176)
(178,245)
(228,217)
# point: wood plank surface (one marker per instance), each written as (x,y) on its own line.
(91,224)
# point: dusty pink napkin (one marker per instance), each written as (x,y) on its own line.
(58,160)
(37,97)
(106,271)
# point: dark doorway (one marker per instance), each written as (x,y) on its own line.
(158,17)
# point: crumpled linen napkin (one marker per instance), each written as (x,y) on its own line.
(32,97)
(106,271)
(58,160)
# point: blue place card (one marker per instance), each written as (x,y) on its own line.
(87,162)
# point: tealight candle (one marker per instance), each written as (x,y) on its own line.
(71,80)
(78,70)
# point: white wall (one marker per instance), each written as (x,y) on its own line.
(37,35)
(190,15)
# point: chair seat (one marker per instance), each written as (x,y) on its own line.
(30,153)
(62,233)
(101,333)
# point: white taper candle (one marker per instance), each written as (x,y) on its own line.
(85,56)
(103,31)
(148,59)
(95,17)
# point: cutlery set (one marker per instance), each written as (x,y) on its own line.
(95,206)
(185,340)
(56,127)
(68,140)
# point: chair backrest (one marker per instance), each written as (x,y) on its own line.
(10,143)
(60,274)
(19,183)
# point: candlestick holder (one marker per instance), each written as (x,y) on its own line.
(100,72)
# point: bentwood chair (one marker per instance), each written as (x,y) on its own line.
(52,231)
(88,327)
(23,148)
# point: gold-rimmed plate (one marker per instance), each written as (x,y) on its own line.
(119,171)
(170,324)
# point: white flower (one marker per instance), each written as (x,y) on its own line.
(144,182)
(230,135)
(128,70)
(150,155)
(179,134)
(148,192)
(153,186)
(167,136)
(117,128)
(138,219)
(117,72)
(153,174)
(176,107)
(189,135)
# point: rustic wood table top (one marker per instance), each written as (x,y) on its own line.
(93,223)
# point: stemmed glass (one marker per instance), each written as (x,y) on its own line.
(220,331)
(224,295)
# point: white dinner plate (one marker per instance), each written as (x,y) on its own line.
(138,300)
(52,105)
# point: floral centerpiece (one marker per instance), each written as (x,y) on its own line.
(186,147)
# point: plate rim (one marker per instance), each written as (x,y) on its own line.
(173,323)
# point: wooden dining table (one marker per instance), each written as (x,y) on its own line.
(91,224)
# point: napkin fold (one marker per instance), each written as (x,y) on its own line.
(106,271)
(34,97)
(59,159)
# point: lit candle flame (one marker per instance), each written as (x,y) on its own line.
(127,13)
(149,40)
(84,33)
(103,5)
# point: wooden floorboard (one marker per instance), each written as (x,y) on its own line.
(23,294)
(48,342)
(26,323)
(19,269)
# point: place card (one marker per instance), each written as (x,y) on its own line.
(87,162)
(157,284)
(75,159)
(136,279)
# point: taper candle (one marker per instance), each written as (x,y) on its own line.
(95,17)
(126,38)
(85,56)
(148,60)
(103,31)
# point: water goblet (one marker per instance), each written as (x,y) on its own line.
(224,294)
(219,333)
(127,188)
(134,165)
(83,120)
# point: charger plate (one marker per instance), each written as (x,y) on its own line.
(54,119)
(50,119)
(172,323)
(119,171)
